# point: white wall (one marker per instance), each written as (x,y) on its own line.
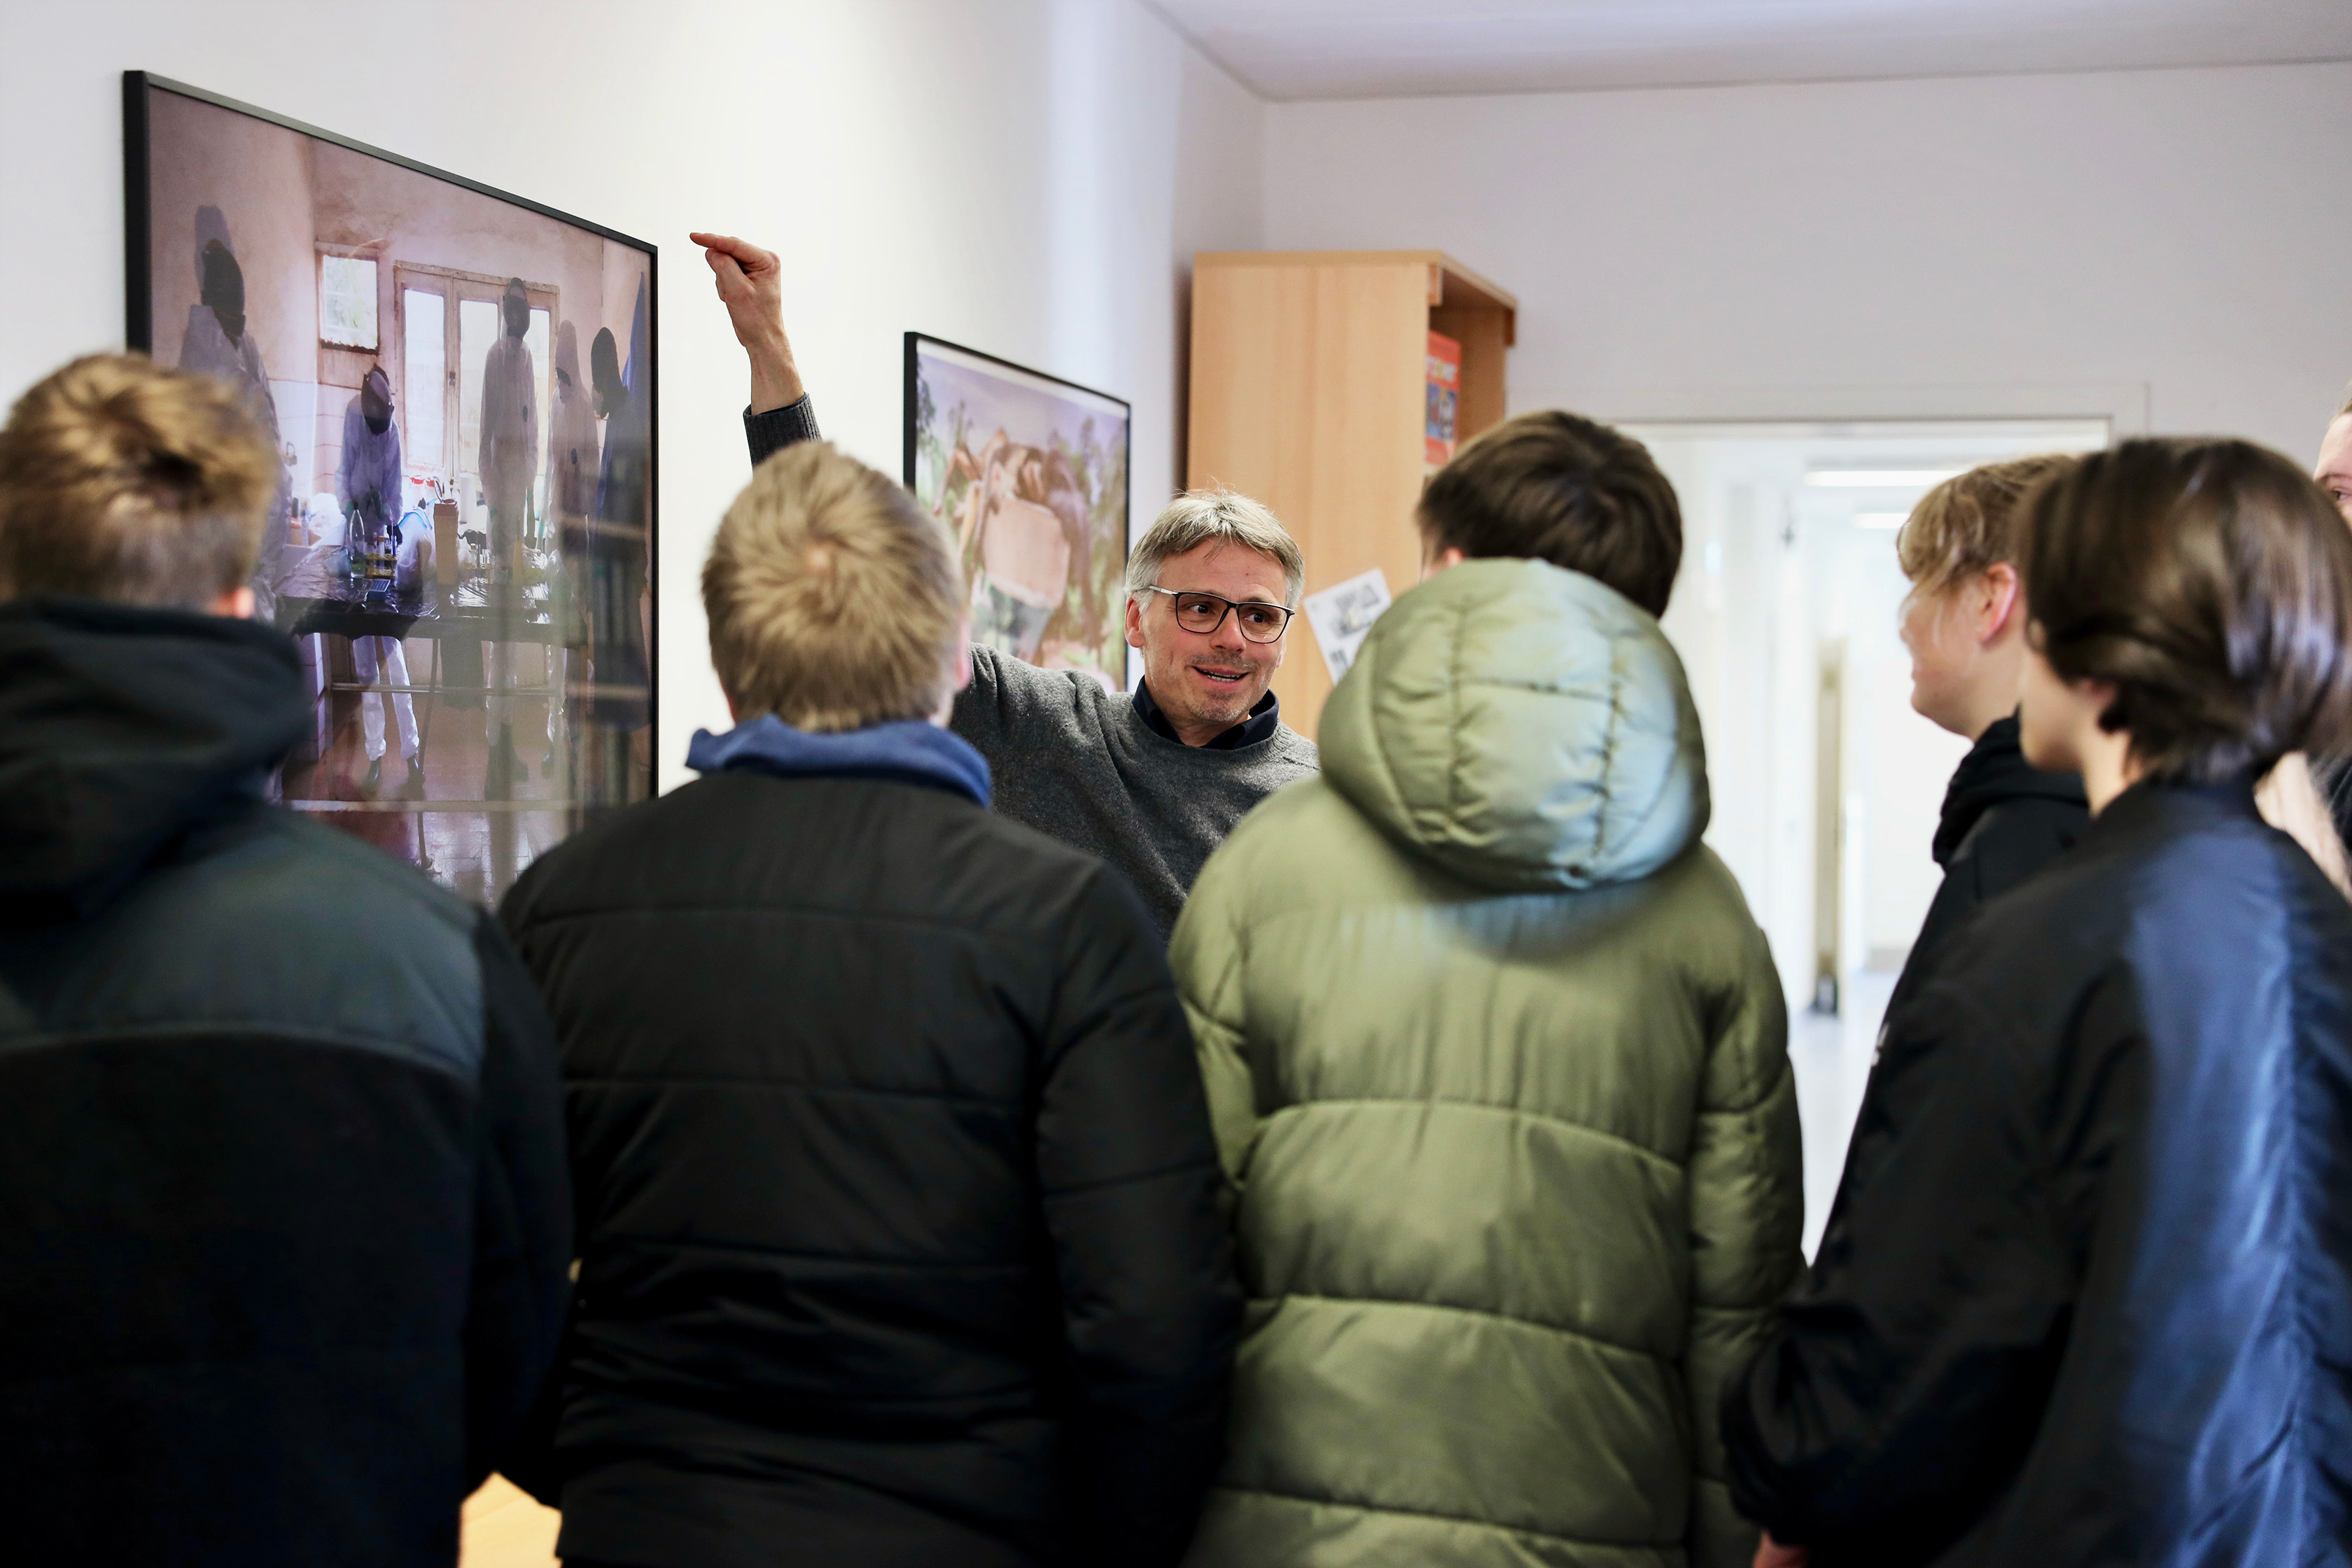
(1029,176)
(2166,248)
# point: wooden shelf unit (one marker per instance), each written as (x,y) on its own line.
(1308,393)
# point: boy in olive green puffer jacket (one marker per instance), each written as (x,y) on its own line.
(1497,1061)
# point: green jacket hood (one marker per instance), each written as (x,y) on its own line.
(1526,727)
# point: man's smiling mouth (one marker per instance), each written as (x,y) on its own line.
(1234,678)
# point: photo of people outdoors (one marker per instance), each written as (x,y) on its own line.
(1030,474)
(458,386)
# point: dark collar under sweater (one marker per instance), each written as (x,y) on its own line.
(1995,769)
(908,751)
(1263,721)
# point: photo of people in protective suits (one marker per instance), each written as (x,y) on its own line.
(1030,473)
(461,543)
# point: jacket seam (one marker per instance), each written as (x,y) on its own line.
(1550,1118)
(1083,1188)
(388,1047)
(1487,1312)
(1660,1545)
(765,1250)
(1010,1103)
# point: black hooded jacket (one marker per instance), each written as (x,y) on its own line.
(900,1238)
(283,1213)
(2003,820)
(2086,1298)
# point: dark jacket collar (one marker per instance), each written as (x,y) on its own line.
(1995,769)
(907,750)
(2157,805)
(1263,721)
(121,728)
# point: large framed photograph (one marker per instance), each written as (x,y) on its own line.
(1030,472)
(460,385)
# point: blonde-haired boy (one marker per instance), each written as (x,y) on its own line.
(901,1229)
(1964,623)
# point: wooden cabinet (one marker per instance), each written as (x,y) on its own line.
(1308,381)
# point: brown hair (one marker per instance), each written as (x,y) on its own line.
(2211,580)
(1559,487)
(121,480)
(1969,524)
(833,597)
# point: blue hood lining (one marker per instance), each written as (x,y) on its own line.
(907,750)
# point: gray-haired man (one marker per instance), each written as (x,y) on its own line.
(1150,781)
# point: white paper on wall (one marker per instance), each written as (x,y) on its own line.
(1342,614)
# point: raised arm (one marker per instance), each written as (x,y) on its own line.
(750,285)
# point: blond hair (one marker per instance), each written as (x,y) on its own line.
(835,601)
(123,480)
(1214,517)
(1969,524)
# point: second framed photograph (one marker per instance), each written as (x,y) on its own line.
(1029,471)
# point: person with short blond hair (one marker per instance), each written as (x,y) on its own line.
(1964,623)
(901,1238)
(1152,780)
(833,601)
(283,1215)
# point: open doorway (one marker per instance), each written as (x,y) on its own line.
(1826,785)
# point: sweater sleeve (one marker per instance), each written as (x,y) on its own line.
(771,430)
(1909,1371)
(1747,1220)
(1128,1175)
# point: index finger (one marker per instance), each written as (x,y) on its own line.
(742,250)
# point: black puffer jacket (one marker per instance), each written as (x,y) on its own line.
(898,1206)
(283,1218)
(2087,1296)
(2003,820)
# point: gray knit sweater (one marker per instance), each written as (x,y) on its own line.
(1079,764)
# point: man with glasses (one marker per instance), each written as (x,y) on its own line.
(1153,780)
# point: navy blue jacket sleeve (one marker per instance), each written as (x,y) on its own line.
(522,1210)
(1912,1364)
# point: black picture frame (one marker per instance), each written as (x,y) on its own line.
(138,89)
(911,422)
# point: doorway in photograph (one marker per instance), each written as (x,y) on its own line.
(1827,786)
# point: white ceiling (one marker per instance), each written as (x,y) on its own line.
(1382,49)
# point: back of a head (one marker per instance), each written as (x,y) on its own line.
(125,481)
(835,600)
(1559,487)
(1970,523)
(2211,580)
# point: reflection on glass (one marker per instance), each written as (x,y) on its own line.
(425,321)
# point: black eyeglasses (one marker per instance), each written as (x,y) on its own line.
(1204,612)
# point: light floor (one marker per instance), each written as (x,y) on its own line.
(1832,1058)
(504,1529)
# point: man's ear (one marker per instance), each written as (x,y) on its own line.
(2001,603)
(237,603)
(1134,622)
(964,651)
